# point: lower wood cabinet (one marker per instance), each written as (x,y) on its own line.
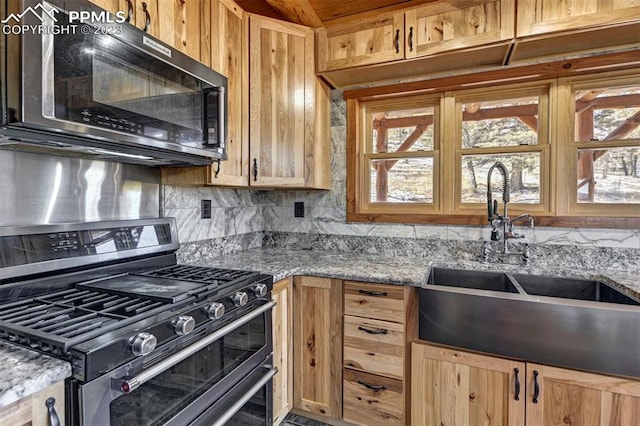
(282,331)
(32,410)
(317,348)
(450,387)
(370,399)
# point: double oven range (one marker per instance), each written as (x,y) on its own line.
(150,341)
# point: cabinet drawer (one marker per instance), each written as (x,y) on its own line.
(379,301)
(374,346)
(372,400)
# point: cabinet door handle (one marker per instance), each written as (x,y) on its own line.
(216,172)
(147,17)
(396,41)
(255,169)
(373,293)
(410,39)
(536,387)
(129,11)
(372,387)
(515,372)
(54,420)
(371,331)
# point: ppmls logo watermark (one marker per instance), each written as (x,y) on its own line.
(100,22)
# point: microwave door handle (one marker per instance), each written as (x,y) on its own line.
(246,397)
(222,113)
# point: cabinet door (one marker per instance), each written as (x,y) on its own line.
(443,26)
(282,101)
(455,388)
(282,349)
(228,57)
(317,347)
(146,17)
(547,16)
(32,410)
(179,25)
(567,397)
(369,41)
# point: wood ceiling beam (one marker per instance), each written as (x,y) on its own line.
(298,11)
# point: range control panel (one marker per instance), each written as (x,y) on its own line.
(25,249)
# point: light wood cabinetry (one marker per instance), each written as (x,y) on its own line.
(181,24)
(317,351)
(279,111)
(379,322)
(32,410)
(568,397)
(549,28)
(368,41)
(284,95)
(426,30)
(455,387)
(282,349)
(451,387)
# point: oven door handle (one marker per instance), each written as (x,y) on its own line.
(247,396)
(129,385)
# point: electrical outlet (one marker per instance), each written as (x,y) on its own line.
(298,209)
(205,209)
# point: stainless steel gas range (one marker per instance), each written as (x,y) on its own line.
(150,341)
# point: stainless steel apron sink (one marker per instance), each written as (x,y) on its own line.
(566,322)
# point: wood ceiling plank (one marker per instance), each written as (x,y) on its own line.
(332,9)
(297,11)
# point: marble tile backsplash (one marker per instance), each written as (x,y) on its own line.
(242,216)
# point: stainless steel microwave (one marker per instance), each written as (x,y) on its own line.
(78,80)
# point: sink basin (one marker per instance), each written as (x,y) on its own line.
(546,320)
(571,288)
(479,280)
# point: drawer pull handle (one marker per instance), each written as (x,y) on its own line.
(536,387)
(370,331)
(373,293)
(396,41)
(372,387)
(515,372)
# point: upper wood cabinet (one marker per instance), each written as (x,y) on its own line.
(179,23)
(546,16)
(368,41)
(450,25)
(551,28)
(288,108)
(433,28)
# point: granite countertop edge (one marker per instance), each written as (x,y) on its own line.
(24,372)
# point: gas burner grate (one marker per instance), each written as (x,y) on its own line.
(60,319)
(199,274)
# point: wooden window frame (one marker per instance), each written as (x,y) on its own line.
(560,209)
(366,153)
(567,187)
(542,90)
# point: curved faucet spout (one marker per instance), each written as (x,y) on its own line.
(491,206)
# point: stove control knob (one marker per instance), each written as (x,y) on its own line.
(240,298)
(143,344)
(215,310)
(260,290)
(184,325)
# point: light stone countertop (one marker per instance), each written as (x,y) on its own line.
(400,270)
(24,372)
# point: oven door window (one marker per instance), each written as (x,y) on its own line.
(103,82)
(160,399)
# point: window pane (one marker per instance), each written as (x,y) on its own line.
(524,176)
(608,114)
(403,130)
(407,180)
(609,175)
(509,122)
